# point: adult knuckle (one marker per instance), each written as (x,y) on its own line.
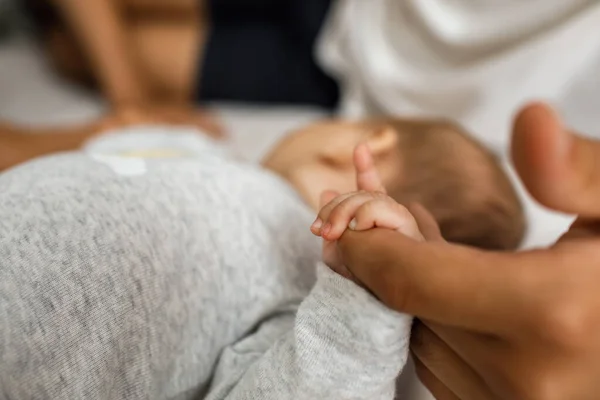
(542,386)
(561,314)
(528,378)
(565,323)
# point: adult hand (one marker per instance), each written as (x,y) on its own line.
(504,326)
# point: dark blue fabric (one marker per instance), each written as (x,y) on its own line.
(261,51)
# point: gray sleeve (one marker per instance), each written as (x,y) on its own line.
(342,343)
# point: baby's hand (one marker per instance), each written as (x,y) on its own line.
(359,211)
(367,208)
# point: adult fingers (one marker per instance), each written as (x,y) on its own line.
(482,352)
(449,369)
(436,387)
(367,177)
(448,284)
(560,169)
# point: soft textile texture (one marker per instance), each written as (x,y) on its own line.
(177,278)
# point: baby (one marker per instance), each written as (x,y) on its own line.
(154,266)
(434,163)
(366,209)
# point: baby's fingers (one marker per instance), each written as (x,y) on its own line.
(327,197)
(337,220)
(367,176)
(328,202)
(386,214)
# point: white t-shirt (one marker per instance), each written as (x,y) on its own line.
(475,61)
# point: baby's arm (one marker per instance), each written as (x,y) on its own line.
(341,344)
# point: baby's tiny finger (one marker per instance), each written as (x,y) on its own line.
(327,196)
(342,214)
(386,214)
(322,218)
(367,176)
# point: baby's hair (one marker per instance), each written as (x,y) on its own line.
(461,183)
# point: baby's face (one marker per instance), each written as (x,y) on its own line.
(429,161)
(320,156)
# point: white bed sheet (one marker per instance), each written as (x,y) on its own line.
(31,94)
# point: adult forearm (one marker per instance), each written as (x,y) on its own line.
(99,27)
(20,144)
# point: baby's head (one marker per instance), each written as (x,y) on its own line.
(460,182)
(434,163)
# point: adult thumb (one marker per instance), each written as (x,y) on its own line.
(560,169)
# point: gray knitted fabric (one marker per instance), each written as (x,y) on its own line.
(177,278)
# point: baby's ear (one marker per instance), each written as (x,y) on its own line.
(382,141)
(339,150)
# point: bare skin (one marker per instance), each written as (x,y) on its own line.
(137,51)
